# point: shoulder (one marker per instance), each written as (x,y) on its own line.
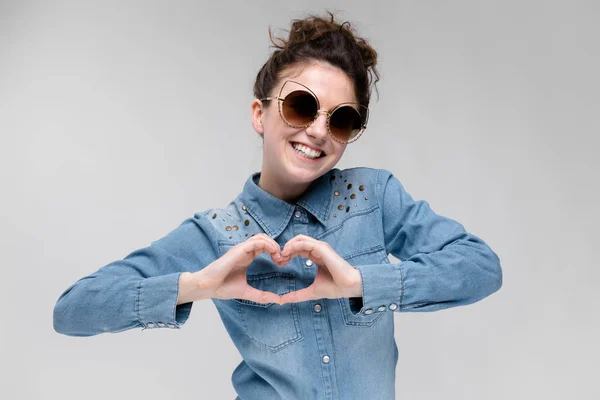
(362,173)
(364,179)
(231,224)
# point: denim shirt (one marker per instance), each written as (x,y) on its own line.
(322,349)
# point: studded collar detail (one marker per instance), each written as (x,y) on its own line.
(273,214)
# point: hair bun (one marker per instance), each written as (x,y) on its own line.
(312,28)
(323,39)
(369,55)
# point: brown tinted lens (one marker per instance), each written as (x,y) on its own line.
(345,123)
(299,108)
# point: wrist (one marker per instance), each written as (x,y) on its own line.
(190,288)
(356,288)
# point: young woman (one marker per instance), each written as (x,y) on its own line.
(297,265)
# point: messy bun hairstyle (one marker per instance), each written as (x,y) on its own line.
(321,39)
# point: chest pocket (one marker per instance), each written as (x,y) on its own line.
(268,324)
(375,255)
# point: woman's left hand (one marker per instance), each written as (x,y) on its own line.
(335,277)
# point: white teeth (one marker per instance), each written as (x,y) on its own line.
(306,151)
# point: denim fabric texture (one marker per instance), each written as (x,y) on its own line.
(322,349)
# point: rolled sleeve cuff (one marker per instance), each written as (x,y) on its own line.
(382,289)
(157,302)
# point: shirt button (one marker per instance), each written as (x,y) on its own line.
(161,324)
(317,308)
(298,214)
(171,325)
(309,262)
(381,308)
(326,359)
(393,306)
(150,325)
(368,311)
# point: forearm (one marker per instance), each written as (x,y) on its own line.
(104,302)
(460,274)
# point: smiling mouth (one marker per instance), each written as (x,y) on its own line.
(308,156)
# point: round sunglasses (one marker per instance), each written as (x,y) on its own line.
(301,107)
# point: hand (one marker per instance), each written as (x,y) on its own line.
(225,278)
(335,276)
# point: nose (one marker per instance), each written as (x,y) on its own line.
(318,129)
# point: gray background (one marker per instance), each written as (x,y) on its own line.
(118,120)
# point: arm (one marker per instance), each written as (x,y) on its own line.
(442,265)
(140,290)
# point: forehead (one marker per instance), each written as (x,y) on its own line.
(331,85)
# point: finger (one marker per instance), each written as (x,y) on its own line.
(297,238)
(299,295)
(275,249)
(259,296)
(323,255)
(289,247)
(250,249)
(308,247)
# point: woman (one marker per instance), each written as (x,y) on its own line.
(297,265)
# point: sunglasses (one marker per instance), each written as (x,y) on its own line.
(301,107)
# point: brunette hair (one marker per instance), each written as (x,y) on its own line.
(321,39)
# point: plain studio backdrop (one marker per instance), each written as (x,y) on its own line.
(119,120)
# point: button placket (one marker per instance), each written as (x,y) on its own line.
(300,215)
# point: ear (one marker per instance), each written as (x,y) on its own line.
(257,115)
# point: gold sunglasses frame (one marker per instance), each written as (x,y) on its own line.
(319,111)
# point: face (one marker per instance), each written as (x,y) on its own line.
(286,173)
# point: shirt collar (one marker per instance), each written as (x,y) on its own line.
(273,214)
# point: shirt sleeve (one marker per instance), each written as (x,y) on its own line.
(442,265)
(140,290)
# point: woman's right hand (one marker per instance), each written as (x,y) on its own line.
(225,278)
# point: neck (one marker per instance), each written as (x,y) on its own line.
(281,188)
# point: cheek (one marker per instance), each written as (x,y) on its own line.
(272,123)
(340,149)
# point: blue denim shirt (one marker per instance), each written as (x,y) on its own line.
(322,349)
